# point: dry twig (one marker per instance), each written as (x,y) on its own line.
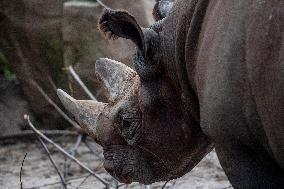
(64,152)
(164,186)
(102,4)
(53,163)
(73,153)
(83,181)
(52,84)
(68,181)
(55,106)
(22,170)
(173,184)
(82,85)
(28,133)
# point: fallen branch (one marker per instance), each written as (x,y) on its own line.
(55,106)
(28,133)
(52,84)
(68,181)
(53,163)
(102,4)
(22,170)
(83,181)
(164,186)
(173,184)
(73,153)
(80,82)
(64,152)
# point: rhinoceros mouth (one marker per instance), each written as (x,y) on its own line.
(129,164)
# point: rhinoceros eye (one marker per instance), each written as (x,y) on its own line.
(128,123)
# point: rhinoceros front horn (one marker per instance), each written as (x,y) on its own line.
(115,79)
(86,112)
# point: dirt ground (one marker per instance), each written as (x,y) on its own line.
(38,172)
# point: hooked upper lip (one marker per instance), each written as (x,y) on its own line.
(125,177)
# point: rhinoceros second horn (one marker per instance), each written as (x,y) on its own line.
(115,77)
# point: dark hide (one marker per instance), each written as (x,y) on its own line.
(209,73)
(232,59)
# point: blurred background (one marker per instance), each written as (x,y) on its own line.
(49,44)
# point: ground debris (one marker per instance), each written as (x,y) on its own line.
(38,171)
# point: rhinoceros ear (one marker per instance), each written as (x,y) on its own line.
(162,9)
(114,24)
(115,77)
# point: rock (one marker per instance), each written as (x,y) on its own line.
(31,39)
(13,106)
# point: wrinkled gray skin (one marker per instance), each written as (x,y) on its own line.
(210,73)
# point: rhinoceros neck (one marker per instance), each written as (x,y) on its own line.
(180,37)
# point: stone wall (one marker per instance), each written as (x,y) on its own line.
(31,39)
(40,37)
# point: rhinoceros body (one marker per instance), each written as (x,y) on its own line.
(232,57)
(210,73)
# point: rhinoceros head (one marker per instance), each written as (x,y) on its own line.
(143,129)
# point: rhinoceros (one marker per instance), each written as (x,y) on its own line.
(206,74)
